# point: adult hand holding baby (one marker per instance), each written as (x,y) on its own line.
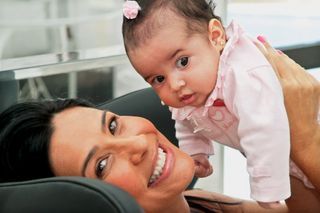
(304,125)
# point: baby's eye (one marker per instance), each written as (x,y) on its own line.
(101,167)
(113,124)
(182,62)
(158,79)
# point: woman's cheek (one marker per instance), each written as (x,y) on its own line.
(128,183)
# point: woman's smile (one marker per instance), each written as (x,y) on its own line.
(158,168)
(162,166)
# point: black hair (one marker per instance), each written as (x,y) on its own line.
(197,14)
(25,134)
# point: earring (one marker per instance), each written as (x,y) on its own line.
(221,43)
(162,103)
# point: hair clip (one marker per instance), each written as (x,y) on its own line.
(131,9)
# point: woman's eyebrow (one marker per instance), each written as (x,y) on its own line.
(95,148)
(87,160)
(103,121)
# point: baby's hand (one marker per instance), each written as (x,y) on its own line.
(202,164)
(270,205)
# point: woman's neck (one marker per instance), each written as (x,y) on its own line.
(182,206)
(178,205)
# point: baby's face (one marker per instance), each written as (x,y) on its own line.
(180,66)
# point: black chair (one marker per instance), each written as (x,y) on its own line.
(65,195)
(307,55)
(78,194)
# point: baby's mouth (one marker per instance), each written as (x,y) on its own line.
(161,160)
(187,99)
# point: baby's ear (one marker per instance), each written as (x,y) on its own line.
(216,33)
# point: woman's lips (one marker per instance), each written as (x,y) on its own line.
(166,168)
(187,99)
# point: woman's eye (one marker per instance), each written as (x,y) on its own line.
(101,167)
(182,62)
(113,125)
(158,79)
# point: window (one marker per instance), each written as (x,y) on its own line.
(283,22)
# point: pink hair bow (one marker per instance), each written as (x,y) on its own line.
(131,9)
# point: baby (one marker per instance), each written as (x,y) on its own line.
(218,86)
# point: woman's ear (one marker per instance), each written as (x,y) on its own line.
(216,34)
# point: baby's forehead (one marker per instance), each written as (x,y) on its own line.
(156,23)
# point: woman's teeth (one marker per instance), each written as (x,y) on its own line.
(159,166)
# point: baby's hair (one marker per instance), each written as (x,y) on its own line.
(198,13)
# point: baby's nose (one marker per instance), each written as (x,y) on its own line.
(177,83)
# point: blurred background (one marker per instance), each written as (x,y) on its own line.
(73,48)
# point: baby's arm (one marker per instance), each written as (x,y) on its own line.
(264,134)
(196,146)
(190,142)
(301,92)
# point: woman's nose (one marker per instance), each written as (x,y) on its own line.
(135,125)
(137,136)
(134,148)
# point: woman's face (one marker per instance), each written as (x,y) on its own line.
(126,151)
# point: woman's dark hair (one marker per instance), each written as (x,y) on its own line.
(25,134)
(197,14)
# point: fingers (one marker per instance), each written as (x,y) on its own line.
(271,52)
(203,167)
(263,40)
(261,48)
(268,52)
(201,171)
(285,67)
(269,49)
(295,81)
(273,56)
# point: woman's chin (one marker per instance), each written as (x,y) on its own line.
(185,170)
(181,172)
(169,192)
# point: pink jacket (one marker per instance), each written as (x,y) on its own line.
(252,119)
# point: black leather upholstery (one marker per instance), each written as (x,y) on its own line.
(65,195)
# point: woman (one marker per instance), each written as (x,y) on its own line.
(70,138)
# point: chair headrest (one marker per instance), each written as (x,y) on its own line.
(65,194)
